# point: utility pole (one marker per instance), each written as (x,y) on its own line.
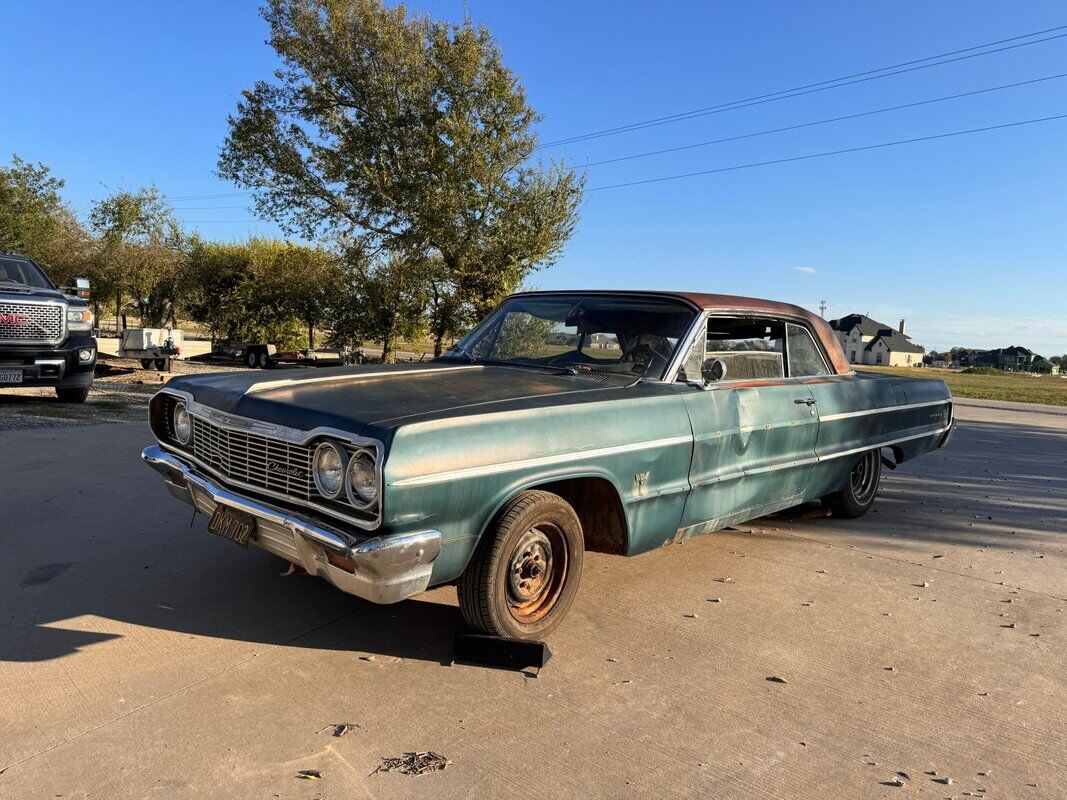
(822,309)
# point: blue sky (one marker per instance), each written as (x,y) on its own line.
(963,237)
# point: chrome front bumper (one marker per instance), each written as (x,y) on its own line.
(386,569)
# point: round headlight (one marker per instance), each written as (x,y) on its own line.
(182,423)
(362,480)
(328,469)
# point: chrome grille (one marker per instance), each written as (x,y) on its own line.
(255,460)
(31,322)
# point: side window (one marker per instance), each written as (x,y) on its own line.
(804,356)
(750,348)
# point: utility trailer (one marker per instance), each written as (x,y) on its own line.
(151,346)
(268,356)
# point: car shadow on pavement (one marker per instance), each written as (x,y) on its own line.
(219,595)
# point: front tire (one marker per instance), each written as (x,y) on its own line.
(526,570)
(76,394)
(856,497)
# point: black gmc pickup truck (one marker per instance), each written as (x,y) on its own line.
(45,334)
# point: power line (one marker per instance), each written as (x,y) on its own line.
(821,86)
(828,153)
(823,121)
(206,208)
(187,198)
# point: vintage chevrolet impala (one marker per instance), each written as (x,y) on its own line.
(615,422)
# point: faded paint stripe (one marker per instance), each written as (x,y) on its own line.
(543,461)
(268,385)
(887,443)
(884,410)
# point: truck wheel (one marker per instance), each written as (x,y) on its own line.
(76,394)
(146,363)
(856,497)
(265,360)
(525,573)
(161,364)
(251,360)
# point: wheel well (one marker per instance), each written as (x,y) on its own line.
(599,509)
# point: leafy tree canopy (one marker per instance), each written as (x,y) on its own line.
(35,221)
(404,134)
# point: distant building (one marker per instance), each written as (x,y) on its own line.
(867,341)
(1015,359)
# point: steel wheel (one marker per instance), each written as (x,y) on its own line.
(857,494)
(537,571)
(525,572)
(864,478)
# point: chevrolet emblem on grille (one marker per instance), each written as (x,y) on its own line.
(287,470)
(227,419)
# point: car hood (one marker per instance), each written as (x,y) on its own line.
(14,292)
(386,396)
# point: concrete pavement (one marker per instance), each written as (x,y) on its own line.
(140,657)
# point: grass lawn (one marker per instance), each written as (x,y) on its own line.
(1014,387)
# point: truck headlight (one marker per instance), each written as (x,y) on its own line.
(328,469)
(79,319)
(181,423)
(362,480)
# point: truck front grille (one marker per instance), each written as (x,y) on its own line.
(255,460)
(31,322)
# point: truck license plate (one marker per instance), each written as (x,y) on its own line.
(10,376)
(229,523)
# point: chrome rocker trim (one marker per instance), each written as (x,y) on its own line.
(387,569)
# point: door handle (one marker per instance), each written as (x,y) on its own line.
(805,401)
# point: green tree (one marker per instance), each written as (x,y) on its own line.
(262,290)
(385,302)
(139,254)
(447,315)
(309,281)
(405,134)
(35,221)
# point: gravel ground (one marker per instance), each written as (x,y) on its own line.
(120,393)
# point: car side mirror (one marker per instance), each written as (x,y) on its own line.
(714,370)
(81,287)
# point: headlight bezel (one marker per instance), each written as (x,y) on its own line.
(343,457)
(181,407)
(368,459)
(79,319)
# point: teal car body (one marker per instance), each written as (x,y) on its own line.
(644,461)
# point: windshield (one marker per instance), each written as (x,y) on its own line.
(625,335)
(22,271)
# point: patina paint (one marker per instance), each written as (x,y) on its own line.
(454,474)
(754,452)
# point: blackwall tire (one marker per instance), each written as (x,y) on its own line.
(525,573)
(75,394)
(856,497)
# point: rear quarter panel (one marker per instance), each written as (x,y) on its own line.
(860,411)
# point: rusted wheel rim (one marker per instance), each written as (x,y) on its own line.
(537,570)
(865,477)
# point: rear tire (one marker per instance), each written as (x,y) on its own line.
(856,497)
(161,364)
(146,363)
(76,394)
(265,360)
(251,361)
(526,570)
